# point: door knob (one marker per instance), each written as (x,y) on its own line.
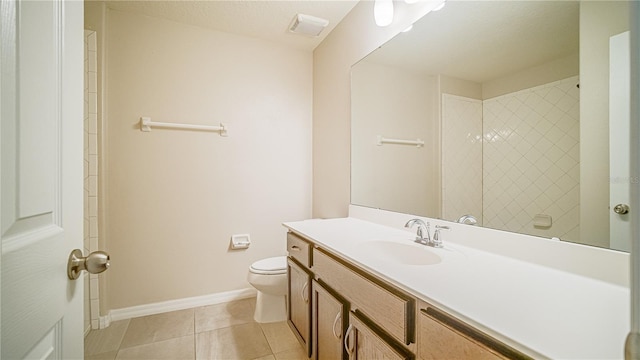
(94,263)
(621,209)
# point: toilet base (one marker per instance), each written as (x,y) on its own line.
(270,308)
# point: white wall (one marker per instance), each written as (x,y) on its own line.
(174,198)
(545,73)
(395,103)
(599,20)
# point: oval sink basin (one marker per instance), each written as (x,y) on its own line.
(407,254)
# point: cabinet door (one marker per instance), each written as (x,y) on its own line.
(362,341)
(299,309)
(330,316)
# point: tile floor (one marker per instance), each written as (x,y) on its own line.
(222,331)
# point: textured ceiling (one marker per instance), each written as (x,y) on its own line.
(264,19)
(484,40)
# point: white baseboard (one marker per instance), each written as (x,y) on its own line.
(104,321)
(179,304)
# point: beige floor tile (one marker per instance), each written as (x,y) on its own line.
(279,336)
(224,315)
(104,356)
(154,328)
(268,357)
(293,354)
(244,341)
(181,348)
(105,340)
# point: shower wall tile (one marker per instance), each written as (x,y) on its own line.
(531,159)
(461,157)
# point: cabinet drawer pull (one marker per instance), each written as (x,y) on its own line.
(333,328)
(347,345)
(295,248)
(303,292)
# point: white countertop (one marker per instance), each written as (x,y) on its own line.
(541,311)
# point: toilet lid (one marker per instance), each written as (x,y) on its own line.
(270,266)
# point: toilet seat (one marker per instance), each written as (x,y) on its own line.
(270,266)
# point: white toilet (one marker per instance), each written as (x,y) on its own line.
(269,277)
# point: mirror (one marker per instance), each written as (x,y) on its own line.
(499,109)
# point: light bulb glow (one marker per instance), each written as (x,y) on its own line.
(383,12)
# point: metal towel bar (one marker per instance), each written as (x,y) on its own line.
(383,140)
(146,124)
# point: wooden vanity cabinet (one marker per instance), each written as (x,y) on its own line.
(385,305)
(441,336)
(363,342)
(299,303)
(330,317)
(338,310)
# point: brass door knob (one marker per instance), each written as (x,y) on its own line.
(621,209)
(94,263)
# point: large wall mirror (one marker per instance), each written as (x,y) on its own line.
(510,111)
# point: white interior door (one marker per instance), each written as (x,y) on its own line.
(619,141)
(42,172)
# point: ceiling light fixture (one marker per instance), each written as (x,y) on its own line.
(383,12)
(307,25)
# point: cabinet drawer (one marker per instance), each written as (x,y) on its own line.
(384,305)
(441,336)
(299,249)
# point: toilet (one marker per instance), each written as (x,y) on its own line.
(269,277)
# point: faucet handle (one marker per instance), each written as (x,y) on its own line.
(437,242)
(467,219)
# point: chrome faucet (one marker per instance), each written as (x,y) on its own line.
(423,236)
(467,219)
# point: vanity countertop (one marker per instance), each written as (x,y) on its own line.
(541,311)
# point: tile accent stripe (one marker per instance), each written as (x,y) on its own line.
(92,302)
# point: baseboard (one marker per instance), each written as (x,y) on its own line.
(179,304)
(104,321)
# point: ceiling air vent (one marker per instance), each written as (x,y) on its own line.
(308,25)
